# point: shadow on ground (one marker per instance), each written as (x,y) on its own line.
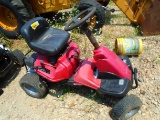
(5,81)
(61,89)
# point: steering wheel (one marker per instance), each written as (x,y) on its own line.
(76,21)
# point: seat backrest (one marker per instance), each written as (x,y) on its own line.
(33,29)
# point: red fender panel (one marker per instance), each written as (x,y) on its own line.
(85,74)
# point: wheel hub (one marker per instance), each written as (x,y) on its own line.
(8,20)
(131,113)
(92,22)
(31,90)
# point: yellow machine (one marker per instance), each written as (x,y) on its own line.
(144,13)
(14,13)
(43,6)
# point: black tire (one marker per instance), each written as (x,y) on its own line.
(126,108)
(86,13)
(105,3)
(22,12)
(1,91)
(33,85)
(100,13)
(19,57)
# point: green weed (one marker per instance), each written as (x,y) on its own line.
(138,30)
(60,18)
(5,40)
(155,60)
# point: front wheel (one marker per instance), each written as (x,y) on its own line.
(126,108)
(33,85)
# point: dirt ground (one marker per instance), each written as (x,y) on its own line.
(67,103)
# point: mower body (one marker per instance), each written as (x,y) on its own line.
(56,58)
(105,72)
(6,60)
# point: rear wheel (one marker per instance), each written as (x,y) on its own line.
(33,85)
(98,19)
(13,14)
(19,56)
(126,108)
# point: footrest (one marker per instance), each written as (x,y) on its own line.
(115,87)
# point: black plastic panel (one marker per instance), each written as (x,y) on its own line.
(115,87)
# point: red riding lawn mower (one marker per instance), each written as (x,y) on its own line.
(56,58)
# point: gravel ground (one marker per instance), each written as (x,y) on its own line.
(68,103)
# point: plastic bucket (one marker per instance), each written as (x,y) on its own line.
(128,46)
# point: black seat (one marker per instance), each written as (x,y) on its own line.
(42,38)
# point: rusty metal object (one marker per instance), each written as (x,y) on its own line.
(144,13)
(151,24)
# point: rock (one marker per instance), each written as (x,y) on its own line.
(142,92)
